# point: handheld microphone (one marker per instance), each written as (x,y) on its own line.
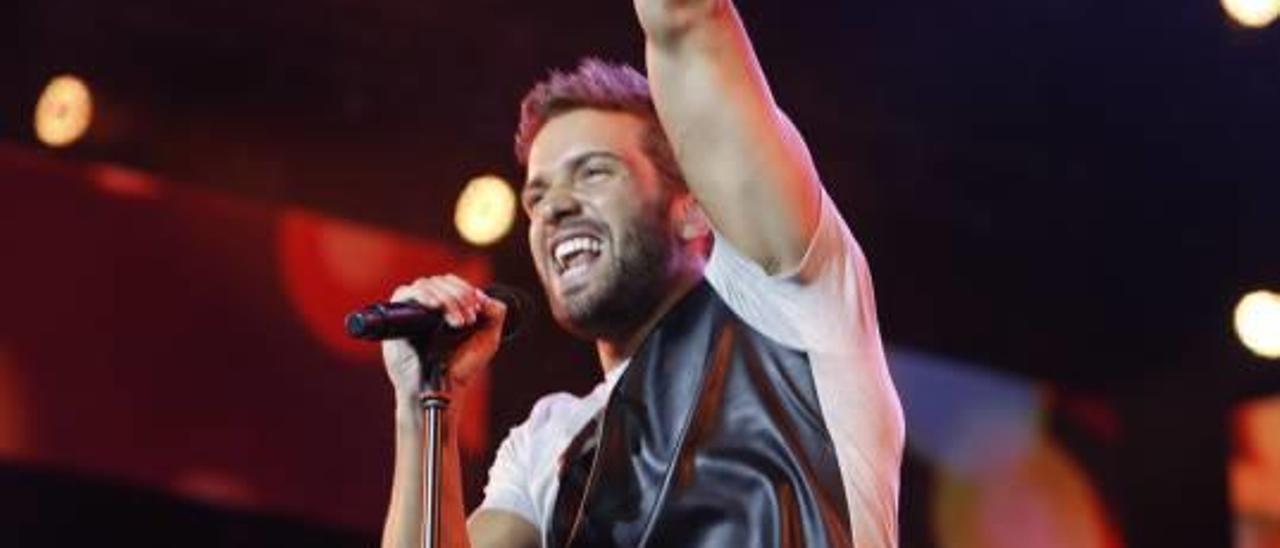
(381,321)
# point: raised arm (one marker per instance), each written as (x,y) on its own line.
(741,156)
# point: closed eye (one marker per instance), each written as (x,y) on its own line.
(595,171)
(530,198)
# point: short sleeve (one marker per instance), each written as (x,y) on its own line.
(507,488)
(514,472)
(822,302)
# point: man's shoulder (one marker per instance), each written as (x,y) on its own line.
(561,413)
(550,410)
(555,404)
(813,306)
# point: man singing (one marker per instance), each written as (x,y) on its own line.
(678,223)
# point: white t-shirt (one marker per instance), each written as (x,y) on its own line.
(825,307)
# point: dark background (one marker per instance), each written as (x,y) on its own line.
(1072,193)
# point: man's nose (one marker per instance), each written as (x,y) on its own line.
(559,203)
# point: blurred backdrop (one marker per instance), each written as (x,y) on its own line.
(1064,205)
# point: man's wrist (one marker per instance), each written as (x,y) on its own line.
(408,411)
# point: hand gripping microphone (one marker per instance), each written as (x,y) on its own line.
(431,336)
(381,321)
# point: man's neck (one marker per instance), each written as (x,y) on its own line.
(614,351)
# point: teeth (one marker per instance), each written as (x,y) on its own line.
(568,248)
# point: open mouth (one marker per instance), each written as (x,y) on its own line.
(572,255)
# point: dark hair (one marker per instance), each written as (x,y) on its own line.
(596,84)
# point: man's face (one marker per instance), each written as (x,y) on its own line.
(599,226)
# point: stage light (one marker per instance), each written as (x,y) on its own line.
(64,111)
(1257,321)
(1252,13)
(1254,471)
(486,210)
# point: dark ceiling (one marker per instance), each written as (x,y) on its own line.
(1076,191)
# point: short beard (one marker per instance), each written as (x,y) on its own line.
(636,284)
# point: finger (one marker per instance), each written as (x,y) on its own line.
(466,294)
(493,309)
(425,292)
(479,297)
(469,293)
(442,301)
(419,291)
(438,296)
(402,294)
(447,299)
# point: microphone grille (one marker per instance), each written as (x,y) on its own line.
(356,325)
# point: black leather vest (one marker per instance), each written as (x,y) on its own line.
(713,437)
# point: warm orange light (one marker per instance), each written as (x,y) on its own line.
(1252,13)
(1043,498)
(216,487)
(124,182)
(1254,473)
(1257,322)
(1256,459)
(64,111)
(486,210)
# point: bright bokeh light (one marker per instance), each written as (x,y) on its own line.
(486,210)
(1255,461)
(1254,473)
(1258,323)
(1252,13)
(64,111)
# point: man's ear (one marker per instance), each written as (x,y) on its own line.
(691,220)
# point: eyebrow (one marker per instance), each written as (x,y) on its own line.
(576,162)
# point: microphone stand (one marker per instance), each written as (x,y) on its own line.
(434,404)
